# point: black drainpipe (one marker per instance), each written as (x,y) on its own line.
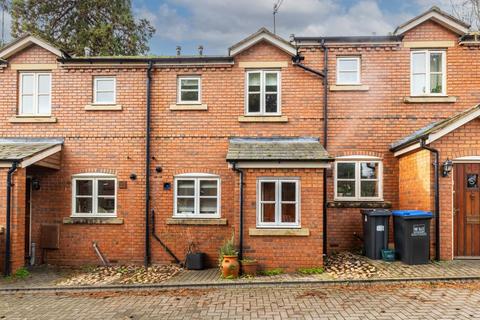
(240,235)
(147,166)
(436,191)
(6,270)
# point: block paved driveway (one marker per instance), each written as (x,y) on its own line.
(385,301)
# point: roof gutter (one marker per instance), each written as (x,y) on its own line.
(7,265)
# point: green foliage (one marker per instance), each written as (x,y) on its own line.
(315,270)
(227,249)
(271,272)
(20,274)
(248,260)
(107,27)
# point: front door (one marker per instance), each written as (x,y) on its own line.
(467,209)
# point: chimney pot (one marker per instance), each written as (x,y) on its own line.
(179,50)
(200,50)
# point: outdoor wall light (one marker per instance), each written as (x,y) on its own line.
(133,176)
(447,167)
(35,184)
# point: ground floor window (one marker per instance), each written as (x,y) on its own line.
(94,195)
(197,196)
(358,179)
(278,202)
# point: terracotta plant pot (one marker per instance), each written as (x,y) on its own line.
(250,268)
(230,267)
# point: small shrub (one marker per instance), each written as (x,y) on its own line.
(21,273)
(248,260)
(227,249)
(315,270)
(271,272)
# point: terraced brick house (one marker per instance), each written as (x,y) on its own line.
(278,142)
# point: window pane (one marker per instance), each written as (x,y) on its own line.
(418,84)
(254,81)
(105,97)
(185,205)
(368,170)
(254,102)
(208,188)
(106,187)
(288,212)
(346,170)
(435,62)
(346,188)
(189,84)
(268,191)
(369,189)
(83,205)
(268,210)
(288,191)
(186,188)
(347,77)
(208,205)
(418,62)
(348,64)
(271,82)
(271,103)
(44,84)
(27,104)
(84,187)
(105,84)
(106,205)
(189,96)
(44,104)
(27,84)
(436,83)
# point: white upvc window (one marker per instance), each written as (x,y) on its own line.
(358,180)
(104,90)
(197,196)
(263,92)
(94,195)
(348,70)
(189,90)
(428,73)
(278,203)
(35,94)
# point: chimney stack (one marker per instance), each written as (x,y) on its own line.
(200,50)
(179,50)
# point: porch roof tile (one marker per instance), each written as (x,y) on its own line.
(14,149)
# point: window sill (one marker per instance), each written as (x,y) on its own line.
(103,107)
(430,99)
(198,221)
(354,87)
(258,232)
(186,107)
(262,119)
(359,204)
(92,220)
(32,119)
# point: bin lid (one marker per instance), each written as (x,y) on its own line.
(420,214)
(376,212)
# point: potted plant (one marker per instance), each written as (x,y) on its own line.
(228,258)
(249,266)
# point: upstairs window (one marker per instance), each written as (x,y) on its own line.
(263,92)
(104,90)
(189,90)
(428,73)
(94,195)
(197,196)
(35,94)
(348,70)
(358,180)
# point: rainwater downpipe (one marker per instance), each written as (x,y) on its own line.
(240,235)
(147,166)
(436,191)
(6,269)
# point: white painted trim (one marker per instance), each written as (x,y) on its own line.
(35,94)
(94,177)
(40,156)
(427,54)
(22,44)
(358,180)
(263,93)
(467,159)
(407,149)
(95,91)
(358,70)
(198,78)
(437,17)
(283,164)
(288,48)
(197,177)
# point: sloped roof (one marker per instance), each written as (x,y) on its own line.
(25,41)
(438,129)
(17,149)
(436,14)
(276,149)
(263,34)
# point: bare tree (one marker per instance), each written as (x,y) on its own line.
(468,11)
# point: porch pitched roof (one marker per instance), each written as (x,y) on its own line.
(276,149)
(28,150)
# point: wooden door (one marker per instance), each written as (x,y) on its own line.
(467,209)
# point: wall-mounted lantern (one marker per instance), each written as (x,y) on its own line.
(447,167)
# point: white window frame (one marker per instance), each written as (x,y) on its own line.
(95,90)
(94,177)
(197,177)
(179,89)
(357,70)
(428,73)
(263,92)
(357,160)
(35,93)
(278,203)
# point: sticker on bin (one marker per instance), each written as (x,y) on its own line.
(419,230)
(380,228)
